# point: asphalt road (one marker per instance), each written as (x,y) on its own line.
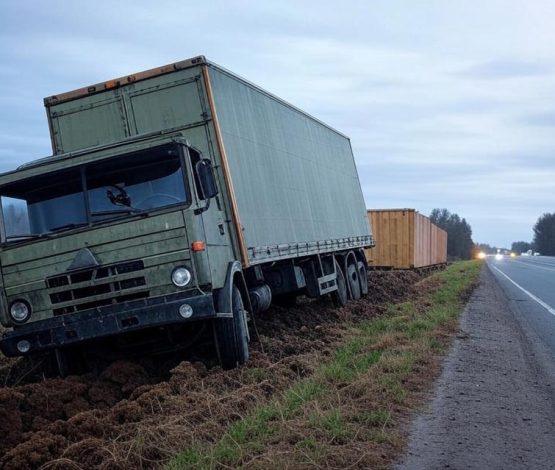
(529,281)
(494,405)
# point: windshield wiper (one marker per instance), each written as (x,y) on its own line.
(68,226)
(129,210)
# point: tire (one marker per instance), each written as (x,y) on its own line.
(363,277)
(68,361)
(353,278)
(340,296)
(232,334)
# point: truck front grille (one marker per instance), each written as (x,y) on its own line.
(96,287)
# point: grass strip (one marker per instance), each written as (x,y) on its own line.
(350,411)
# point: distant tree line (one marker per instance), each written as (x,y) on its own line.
(488,249)
(459,233)
(544,234)
(544,237)
(521,247)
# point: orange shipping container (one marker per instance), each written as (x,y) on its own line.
(405,239)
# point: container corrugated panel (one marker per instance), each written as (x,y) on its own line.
(392,231)
(439,245)
(294,178)
(405,239)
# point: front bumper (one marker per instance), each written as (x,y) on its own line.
(107,321)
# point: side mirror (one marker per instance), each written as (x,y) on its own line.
(206,179)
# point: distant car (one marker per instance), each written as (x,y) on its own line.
(536,254)
(498,256)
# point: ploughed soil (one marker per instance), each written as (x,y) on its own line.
(137,414)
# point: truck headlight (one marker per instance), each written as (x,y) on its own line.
(181,276)
(23,346)
(20,311)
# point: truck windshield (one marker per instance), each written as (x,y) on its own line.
(96,192)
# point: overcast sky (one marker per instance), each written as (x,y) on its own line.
(447,103)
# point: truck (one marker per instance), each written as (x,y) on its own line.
(179,200)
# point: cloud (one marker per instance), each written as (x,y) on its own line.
(506,68)
(541,119)
(440,111)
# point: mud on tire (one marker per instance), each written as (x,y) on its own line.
(232,334)
(341,295)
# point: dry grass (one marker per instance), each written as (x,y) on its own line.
(352,411)
(297,400)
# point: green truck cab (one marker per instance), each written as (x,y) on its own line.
(176,198)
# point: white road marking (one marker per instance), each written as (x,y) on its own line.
(528,264)
(529,294)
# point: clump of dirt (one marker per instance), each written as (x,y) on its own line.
(11,425)
(392,286)
(6,364)
(132,416)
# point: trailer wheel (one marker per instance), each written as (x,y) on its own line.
(340,296)
(363,276)
(353,278)
(232,334)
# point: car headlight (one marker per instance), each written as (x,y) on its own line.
(181,276)
(20,311)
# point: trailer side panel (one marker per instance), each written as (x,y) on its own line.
(295,179)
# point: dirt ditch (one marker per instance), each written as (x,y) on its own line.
(138,414)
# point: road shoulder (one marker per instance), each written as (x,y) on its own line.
(493,405)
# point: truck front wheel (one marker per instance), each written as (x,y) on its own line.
(232,334)
(68,361)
